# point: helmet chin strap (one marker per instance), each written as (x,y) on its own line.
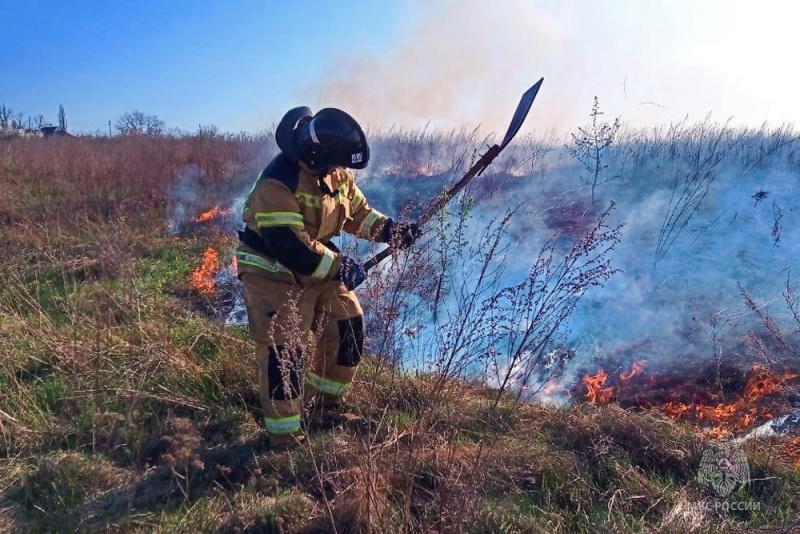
(325,189)
(321,180)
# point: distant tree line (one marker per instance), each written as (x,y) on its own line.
(15,123)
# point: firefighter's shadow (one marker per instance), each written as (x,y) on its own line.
(212,466)
(166,487)
(250,400)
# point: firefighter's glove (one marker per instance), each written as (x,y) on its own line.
(351,273)
(401,234)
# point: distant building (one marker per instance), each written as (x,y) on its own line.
(48,131)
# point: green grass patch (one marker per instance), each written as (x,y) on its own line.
(193,333)
(401,419)
(45,293)
(512,513)
(164,268)
(48,391)
(250,512)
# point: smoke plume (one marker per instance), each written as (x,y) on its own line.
(457,63)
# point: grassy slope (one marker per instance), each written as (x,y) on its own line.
(123,409)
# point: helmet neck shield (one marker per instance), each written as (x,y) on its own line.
(285,133)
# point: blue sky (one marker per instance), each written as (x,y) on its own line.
(241,64)
(189,62)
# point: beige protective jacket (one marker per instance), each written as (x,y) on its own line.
(290,219)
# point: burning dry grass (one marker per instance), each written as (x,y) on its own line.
(751,406)
(212,214)
(203,276)
(749,397)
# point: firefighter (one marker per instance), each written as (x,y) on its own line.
(304,317)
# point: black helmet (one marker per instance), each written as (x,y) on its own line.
(331,138)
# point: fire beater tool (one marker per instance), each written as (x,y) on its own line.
(485,160)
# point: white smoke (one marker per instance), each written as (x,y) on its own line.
(183,196)
(685,309)
(457,63)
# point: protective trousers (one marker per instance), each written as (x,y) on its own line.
(319,325)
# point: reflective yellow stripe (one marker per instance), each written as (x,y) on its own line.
(342,196)
(312,201)
(254,260)
(279,218)
(325,264)
(326,385)
(358,201)
(285,425)
(372,217)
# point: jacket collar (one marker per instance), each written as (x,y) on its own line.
(325,182)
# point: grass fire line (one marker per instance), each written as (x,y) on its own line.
(203,277)
(725,418)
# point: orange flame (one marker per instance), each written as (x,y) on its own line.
(203,277)
(723,419)
(550,387)
(636,368)
(675,409)
(740,414)
(596,393)
(211,214)
(763,383)
(792,446)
